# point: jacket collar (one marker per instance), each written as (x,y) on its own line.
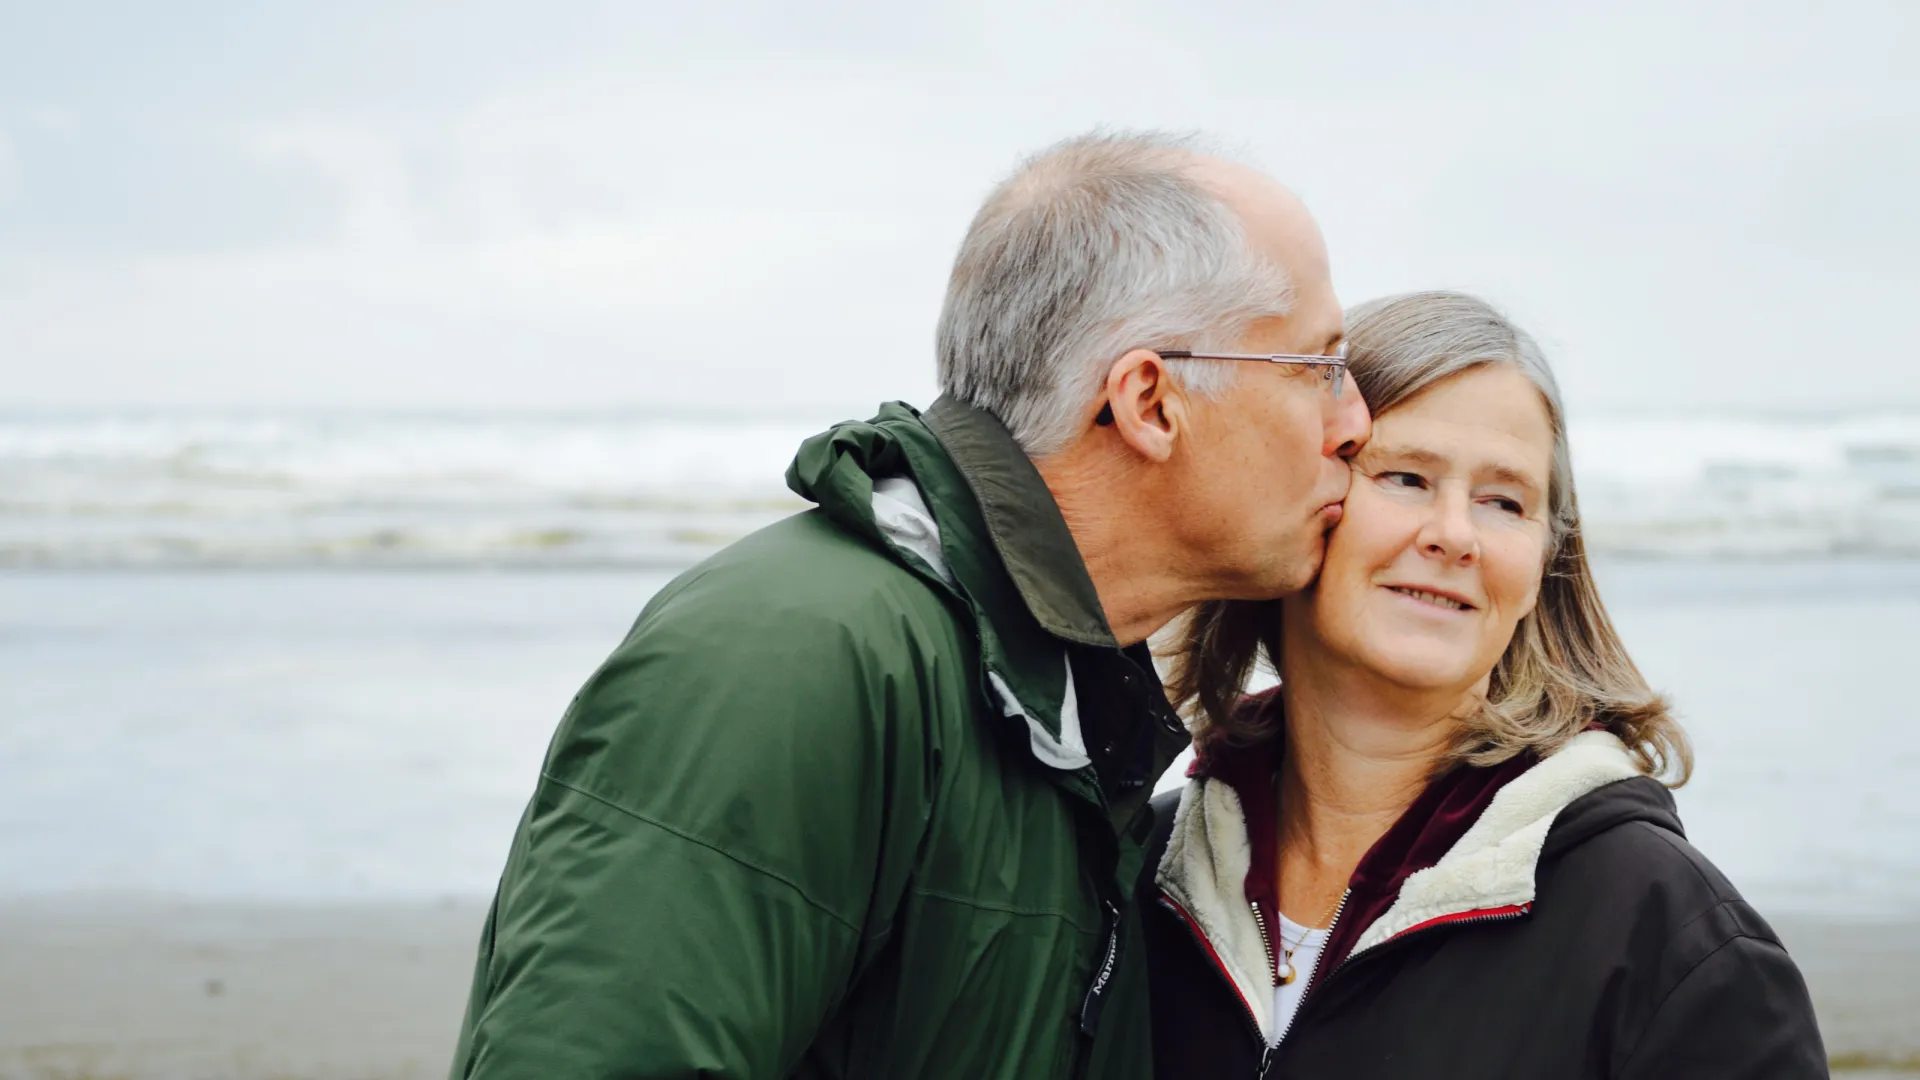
(1468,847)
(937,526)
(1023,522)
(1492,867)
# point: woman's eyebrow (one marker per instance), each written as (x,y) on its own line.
(1411,455)
(1507,475)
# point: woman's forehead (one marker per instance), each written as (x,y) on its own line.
(1487,421)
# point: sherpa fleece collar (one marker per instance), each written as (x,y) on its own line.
(1209,857)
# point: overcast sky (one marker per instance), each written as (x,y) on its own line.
(753,206)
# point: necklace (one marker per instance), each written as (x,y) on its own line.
(1285,968)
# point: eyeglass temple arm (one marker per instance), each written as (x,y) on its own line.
(1299,358)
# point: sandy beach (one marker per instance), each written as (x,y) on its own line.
(162,991)
(158,991)
(307,752)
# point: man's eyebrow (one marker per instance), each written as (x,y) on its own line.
(1504,474)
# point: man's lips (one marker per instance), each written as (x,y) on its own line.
(1331,513)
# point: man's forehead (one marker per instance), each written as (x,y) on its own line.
(1278,224)
(1306,331)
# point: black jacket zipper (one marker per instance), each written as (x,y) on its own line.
(1267,1053)
(1387,947)
(1246,1010)
(1253,1024)
(1312,982)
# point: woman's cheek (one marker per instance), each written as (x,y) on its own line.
(1514,567)
(1374,529)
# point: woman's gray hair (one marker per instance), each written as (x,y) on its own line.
(1416,340)
(1095,246)
(1564,671)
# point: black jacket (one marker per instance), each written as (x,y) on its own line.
(1634,958)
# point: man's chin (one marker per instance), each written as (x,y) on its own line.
(1301,582)
(1293,576)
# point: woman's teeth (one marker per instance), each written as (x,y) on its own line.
(1430,598)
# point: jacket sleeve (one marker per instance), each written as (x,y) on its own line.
(1742,1011)
(726,810)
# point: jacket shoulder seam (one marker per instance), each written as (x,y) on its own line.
(710,846)
(1639,1042)
(1691,857)
(1006,909)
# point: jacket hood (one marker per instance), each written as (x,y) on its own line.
(1467,849)
(1492,867)
(1639,798)
(949,495)
(836,469)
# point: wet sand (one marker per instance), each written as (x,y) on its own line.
(97,990)
(1865,979)
(167,991)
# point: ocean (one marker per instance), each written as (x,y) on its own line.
(345,489)
(297,658)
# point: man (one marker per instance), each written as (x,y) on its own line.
(864,794)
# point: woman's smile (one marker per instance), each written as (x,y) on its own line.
(1440,551)
(1461,755)
(1435,599)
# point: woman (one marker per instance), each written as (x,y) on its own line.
(1440,847)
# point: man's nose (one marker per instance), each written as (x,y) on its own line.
(1348,423)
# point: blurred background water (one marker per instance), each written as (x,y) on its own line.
(289,489)
(299,658)
(364,368)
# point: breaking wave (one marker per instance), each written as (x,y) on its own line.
(464,490)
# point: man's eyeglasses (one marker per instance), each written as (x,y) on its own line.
(1333,366)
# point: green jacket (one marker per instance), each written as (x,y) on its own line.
(861,796)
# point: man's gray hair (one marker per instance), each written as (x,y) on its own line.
(1095,246)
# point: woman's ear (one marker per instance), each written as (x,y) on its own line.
(1144,406)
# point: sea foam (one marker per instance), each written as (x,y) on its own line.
(459,490)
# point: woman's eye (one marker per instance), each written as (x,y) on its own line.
(1511,506)
(1403,479)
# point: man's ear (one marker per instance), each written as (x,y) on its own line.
(1144,405)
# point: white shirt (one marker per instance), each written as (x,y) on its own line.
(1307,946)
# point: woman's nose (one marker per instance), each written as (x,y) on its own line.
(1449,533)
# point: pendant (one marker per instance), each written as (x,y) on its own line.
(1286,973)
